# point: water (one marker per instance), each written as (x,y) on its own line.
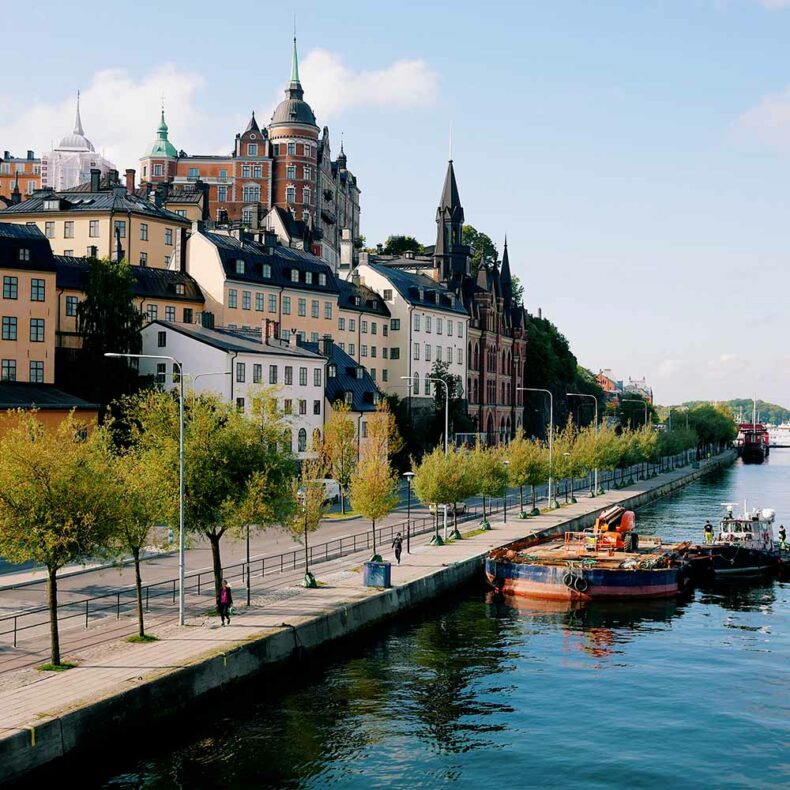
(688,694)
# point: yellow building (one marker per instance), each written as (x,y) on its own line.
(52,405)
(28,306)
(103,218)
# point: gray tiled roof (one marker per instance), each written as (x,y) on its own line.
(368,301)
(364,392)
(409,286)
(13,238)
(21,395)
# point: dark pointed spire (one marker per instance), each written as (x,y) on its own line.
(252,126)
(450,201)
(505,278)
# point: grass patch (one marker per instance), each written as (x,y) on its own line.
(474,532)
(137,639)
(347,514)
(55,667)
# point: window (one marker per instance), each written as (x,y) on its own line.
(342,346)
(241,372)
(349,398)
(37,290)
(286,305)
(246,300)
(316,407)
(251,193)
(395,324)
(71,305)
(288,406)
(322,279)
(460,329)
(427,323)
(352,325)
(157,170)
(331,371)
(373,372)
(240,404)
(363,350)
(193,172)
(373,327)
(352,349)
(36,372)
(314,337)
(306,196)
(388,294)
(181,212)
(317,377)
(328,310)
(257,172)
(233,297)
(68,229)
(449,328)
(427,389)
(258,303)
(416,322)
(290,195)
(416,349)
(341,324)
(302,307)
(239,266)
(308,278)
(266,270)
(170,313)
(49,230)
(364,326)
(302,438)
(385,352)
(314,308)
(246,216)
(414,384)
(187,315)
(385,376)
(373,351)
(439,323)
(439,354)
(119,228)
(169,236)
(302,406)
(245,171)
(143,259)
(291,149)
(93,228)
(161,339)
(222,194)
(302,377)
(459,357)
(272,303)
(308,173)
(143,231)
(290,172)
(36,330)
(294,275)
(10,287)
(252,149)
(8,370)
(272,374)
(385,330)
(9,327)
(152,311)
(289,375)
(257,374)
(427,352)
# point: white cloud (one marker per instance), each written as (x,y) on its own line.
(768,122)
(331,87)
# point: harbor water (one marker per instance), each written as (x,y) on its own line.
(480,693)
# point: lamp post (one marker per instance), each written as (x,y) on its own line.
(595,490)
(408,476)
(181,617)
(553,504)
(446,406)
(636,400)
(504,501)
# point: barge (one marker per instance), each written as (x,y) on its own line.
(609,561)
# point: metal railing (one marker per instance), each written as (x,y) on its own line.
(200,584)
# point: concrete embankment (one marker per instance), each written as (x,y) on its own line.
(140,684)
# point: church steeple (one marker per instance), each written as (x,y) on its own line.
(294,89)
(505,278)
(451,255)
(78,121)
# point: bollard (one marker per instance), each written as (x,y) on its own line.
(86,612)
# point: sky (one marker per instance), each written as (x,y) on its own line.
(636,153)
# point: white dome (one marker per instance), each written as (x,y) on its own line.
(76,142)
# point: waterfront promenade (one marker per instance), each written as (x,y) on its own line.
(119,685)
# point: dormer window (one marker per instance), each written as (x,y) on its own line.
(376,397)
(331,371)
(24,254)
(322,279)
(349,398)
(294,275)
(266,270)
(422,294)
(239,266)
(52,204)
(180,290)
(308,278)
(359,372)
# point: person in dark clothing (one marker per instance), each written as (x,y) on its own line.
(708,532)
(782,537)
(225,602)
(397,544)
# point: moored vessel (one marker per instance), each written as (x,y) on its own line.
(608,561)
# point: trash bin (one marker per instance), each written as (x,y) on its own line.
(378,574)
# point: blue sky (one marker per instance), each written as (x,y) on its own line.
(637,154)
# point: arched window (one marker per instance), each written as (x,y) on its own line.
(477,357)
(302,446)
(468,354)
(469,387)
(415,384)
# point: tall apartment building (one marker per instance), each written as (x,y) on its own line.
(20,177)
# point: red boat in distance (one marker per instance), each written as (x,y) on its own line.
(753,442)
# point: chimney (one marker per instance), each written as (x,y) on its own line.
(364,256)
(6,154)
(182,247)
(95,179)
(293,340)
(30,155)
(346,249)
(380,249)
(130,180)
(207,320)
(266,329)
(355,277)
(112,177)
(540,312)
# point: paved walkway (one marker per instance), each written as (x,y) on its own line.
(29,697)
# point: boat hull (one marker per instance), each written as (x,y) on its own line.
(732,560)
(551,582)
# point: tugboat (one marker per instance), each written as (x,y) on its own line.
(609,561)
(744,545)
(753,442)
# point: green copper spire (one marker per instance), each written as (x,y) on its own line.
(295,65)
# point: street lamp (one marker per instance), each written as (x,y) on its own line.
(408,476)
(636,400)
(553,504)
(504,503)
(180,467)
(446,406)
(595,490)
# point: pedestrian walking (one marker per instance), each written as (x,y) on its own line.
(782,537)
(225,602)
(397,544)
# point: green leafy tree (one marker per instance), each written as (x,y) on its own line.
(339,448)
(489,473)
(374,491)
(57,503)
(528,466)
(458,416)
(481,246)
(397,245)
(517,290)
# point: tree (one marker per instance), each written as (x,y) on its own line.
(141,503)
(566,459)
(529,466)
(309,498)
(56,498)
(489,473)
(107,320)
(237,473)
(481,247)
(517,290)
(397,245)
(339,448)
(374,491)
(458,416)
